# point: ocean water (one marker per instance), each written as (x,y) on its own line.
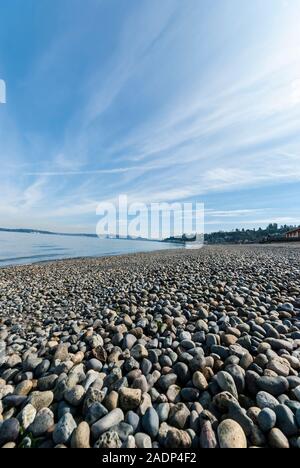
(19,248)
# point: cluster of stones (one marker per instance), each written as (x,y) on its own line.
(174,350)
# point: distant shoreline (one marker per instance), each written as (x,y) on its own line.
(70,234)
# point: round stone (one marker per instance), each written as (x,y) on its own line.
(81,436)
(27,416)
(150,422)
(231,435)
(178,415)
(199,381)
(265,400)
(143,440)
(95,365)
(9,431)
(163,410)
(133,420)
(226,383)
(64,429)
(273,385)
(286,421)
(24,388)
(74,395)
(266,419)
(297,392)
(42,423)
(41,400)
(139,352)
(277,439)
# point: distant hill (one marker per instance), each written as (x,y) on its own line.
(37,231)
(51,233)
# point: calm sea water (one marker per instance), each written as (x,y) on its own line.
(18,249)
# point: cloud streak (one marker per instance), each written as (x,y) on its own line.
(163,101)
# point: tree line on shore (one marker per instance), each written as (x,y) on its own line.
(240,236)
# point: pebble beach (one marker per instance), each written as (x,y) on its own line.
(172,349)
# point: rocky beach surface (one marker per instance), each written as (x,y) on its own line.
(174,349)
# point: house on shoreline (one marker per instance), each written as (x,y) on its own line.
(294,234)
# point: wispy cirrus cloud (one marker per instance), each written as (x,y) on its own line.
(163,101)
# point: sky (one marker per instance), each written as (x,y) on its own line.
(163,101)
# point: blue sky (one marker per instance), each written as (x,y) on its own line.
(160,100)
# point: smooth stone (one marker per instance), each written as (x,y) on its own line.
(81,436)
(166,381)
(189,394)
(266,419)
(297,392)
(163,411)
(280,366)
(199,381)
(111,400)
(75,395)
(64,408)
(47,383)
(178,415)
(273,385)
(293,405)
(23,388)
(129,443)
(298,417)
(150,422)
(104,424)
(95,412)
(231,435)
(142,440)
(31,362)
(222,401)
(61,353)
(42,368)
(41,400)
(173,393)
(95,364)
(9,431)
(64,429)
(226,383)
(141,383)
(43,422)
(277,439)
(182,372)
(27,416)
(146,366)
(286,420)
(133,420)
(208,438)
(146,403)
(129,341)
(265,400)
(14,401)
(238,375)
(139,352)
(239,415)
